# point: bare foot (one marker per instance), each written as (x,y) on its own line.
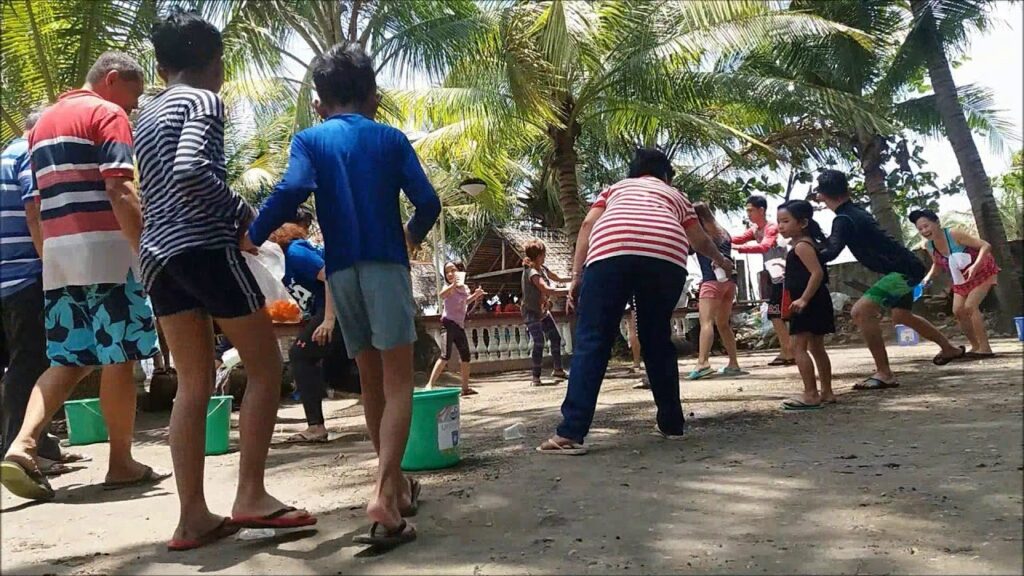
(262,505)
(125,472)
(469,392)
(387,515)
(22,458)
(884,377)
(193,528)
(828,398)
(811,398)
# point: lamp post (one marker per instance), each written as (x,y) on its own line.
(473,187)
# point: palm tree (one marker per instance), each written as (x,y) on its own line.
(940,25)
(47,47)
(543,74)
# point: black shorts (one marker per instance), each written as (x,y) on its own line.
(454,334)
(775,301)
(216,280)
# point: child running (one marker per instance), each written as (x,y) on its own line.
(810,313)
(457,300)
(357,168)
(537,294)
(193,269)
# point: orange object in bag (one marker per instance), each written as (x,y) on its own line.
(284,311)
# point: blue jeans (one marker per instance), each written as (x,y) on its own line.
(607,286)
(538,329)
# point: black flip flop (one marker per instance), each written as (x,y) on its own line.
(874,384)
(414,490)
(941,360)
(979,355)
(28,483)
(384,538)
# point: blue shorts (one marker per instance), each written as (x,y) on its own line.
(99,324)
(374,305)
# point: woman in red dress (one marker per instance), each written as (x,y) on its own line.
(969,262)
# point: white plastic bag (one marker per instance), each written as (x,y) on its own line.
(958,262)
(268,269)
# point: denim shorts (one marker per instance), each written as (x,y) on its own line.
(99,324)
(374,305)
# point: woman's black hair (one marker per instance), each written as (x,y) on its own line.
(651,162)
(923,213)
(459,266)
(803,211)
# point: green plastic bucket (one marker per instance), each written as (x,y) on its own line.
(85,422)
(218,425)
(434,432)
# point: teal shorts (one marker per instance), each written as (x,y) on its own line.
(894,290)
(99,324)
(374,305)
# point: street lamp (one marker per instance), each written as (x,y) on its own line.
(473,187)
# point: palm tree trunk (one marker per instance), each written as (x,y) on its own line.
(564,161)
(872,146)
(979,188)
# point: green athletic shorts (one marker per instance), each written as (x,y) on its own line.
(894,290)
(374,305)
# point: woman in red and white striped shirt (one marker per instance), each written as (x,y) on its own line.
(633,244)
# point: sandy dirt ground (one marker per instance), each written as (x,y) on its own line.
(926,478)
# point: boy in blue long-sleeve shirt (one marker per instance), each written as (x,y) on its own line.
(356,169)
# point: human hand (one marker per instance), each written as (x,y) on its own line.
(798,306)
(324,332)
(727,265)
(970,272)
(245,245)
(410,244)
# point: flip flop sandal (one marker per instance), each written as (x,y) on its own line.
(276,519)
(414,490)
(698,374)
(875,384)
(796,404)
(941,360)
(383,538)
(148,477)
(24,482)
(727,371)
(979,355)
(470,392)
(221,531)
(780,361)
(51,468)
(664,436)
(73,458)
(568,449)
(303,438)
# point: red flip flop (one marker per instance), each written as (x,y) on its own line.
(223,530)
(276,520)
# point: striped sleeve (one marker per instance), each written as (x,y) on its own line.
(26,180)
(688,216)
(113,140)
(195,161)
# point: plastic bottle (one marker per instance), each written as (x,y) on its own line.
(513,432)
(255,533)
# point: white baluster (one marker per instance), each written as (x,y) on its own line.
(566,338)
(520,341)
(505,349)
(474,344)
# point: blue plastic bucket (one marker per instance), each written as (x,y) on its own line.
(906,336)
(1019,321)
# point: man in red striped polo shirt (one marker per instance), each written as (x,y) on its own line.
(634,243)
(96,313)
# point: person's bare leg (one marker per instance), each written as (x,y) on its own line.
(803,362)
(48,395)
(972,303)
(394,432)
(706,310)
(963,318)
(464,370)
(926,329)
(253,337)
(723,320)
(823,364)
(371,380)
(785,342)
(865,314)
(439,367)
(634,340)
(189,337)
(117,401)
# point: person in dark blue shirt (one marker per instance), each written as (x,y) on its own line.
(317,355)
(357,168)
(856,229)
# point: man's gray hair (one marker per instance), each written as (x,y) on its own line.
(123,63)
(34,116)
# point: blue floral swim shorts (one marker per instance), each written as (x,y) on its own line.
(99,325)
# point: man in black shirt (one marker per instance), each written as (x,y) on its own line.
(856,229)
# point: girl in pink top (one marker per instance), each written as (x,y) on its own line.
(457,299)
